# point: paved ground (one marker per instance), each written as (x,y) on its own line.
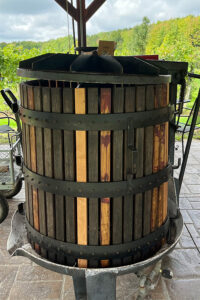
(22,279)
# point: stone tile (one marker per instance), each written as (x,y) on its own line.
(191,179)
(186,217)
(184,263)
(195,234)
(195,205)
(195,216)
(7,277)
(127,286)
(192,169)
(184,203)
(36,273)
(6,259)
(184,189)
(183,289)
(186,240)
(195,189)
(159,293)
(36,290)
(68,292)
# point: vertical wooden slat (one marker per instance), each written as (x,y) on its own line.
(165,200)
(117,157)
(81,173)
(40,166)
(69,166)
(48,168)
(148,161)
(93,174)
(22,98)
(128,171)
(36,223)
(156,154)
(138,208)
(56,104)
(105,137)
(28,160)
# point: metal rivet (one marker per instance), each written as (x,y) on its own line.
(24,116)
(29,117)
(32,179)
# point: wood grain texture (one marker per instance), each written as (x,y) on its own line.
(36,223)
(57,107)
(81,173)
(93,173)
(148,160)
(166,142)
(48,169)
(105,151)
(117,171)
(69,174)
(156,155)
(138,208)
(129,171)
(40,166)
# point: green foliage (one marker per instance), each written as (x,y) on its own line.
(176,40)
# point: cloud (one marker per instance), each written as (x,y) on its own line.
(44,19)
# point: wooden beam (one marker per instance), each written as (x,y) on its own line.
(81,173)
(73,12)
(105,146)
(92,8)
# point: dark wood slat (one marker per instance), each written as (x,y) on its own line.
(93,172)
(148,161)
(128,170)
(32,141)
(22,96)
(67,6)
(48,168)
(28,159)
(69,166)
(56,103)
(40,166)
(117,165)
(138,209)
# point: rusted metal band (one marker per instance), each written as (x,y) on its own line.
(98,252)
(99,122)
(97,189)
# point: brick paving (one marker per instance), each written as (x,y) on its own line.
(24,280)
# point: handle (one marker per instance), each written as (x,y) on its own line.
(10,99)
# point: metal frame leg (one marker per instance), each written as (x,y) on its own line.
(101,286)
(80,287)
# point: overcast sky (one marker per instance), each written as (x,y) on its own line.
(41,20)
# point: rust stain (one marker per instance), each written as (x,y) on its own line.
(105,200)
(105,140)
(106,177)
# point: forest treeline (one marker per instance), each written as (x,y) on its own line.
(175,39)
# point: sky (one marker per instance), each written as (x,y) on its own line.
(41,20)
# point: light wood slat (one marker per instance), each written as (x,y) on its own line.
(129,170)
(81,173)
(117,165)
(156,155)
(69,167)
(48,168)
(148,161)
(138,207)
(93,173)
(105,138)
